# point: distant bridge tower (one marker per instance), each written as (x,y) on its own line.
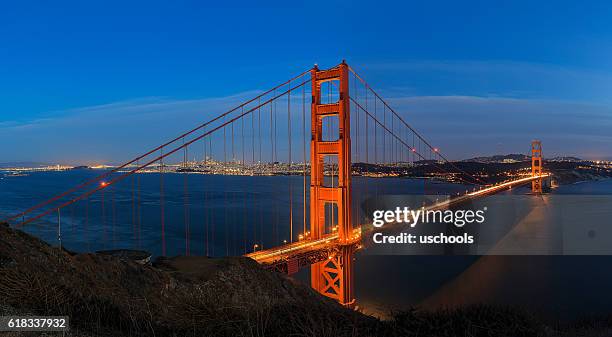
(334,276)
(536,165)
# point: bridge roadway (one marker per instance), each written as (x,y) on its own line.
(289,257)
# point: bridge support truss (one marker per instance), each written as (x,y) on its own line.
(332,277)
(536,165)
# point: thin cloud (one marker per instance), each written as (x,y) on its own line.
(493,78)
(465,125)
(110,132)
(461,125)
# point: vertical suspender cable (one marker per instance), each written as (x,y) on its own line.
(233,224)
(304,155)
(186,201)
(375,134)
(356,121)
(253,222)
(225,205)
(393,142)
(211,214)
(134,237)
(138,210)
(243,195)
(72,219)
(102,204)
(272,132)
(331,132)
(260,208)
(114,211)
(85,233)
(367,130)
(161,202)
(384,137)
(276,206)
(290,165)
(205,197)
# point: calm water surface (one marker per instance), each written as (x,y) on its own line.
(229,214)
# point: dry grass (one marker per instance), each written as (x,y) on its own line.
(189,296)
(222,297)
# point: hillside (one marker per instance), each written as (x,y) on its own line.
(199,296)
(184,295)
(505,158)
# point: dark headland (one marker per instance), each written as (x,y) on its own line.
(199,296)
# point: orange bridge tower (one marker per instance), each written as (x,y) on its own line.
(332,277)
(536,165)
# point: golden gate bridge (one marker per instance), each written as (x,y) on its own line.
(318,125)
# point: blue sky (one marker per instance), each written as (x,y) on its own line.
(475,77)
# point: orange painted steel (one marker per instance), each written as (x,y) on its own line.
(332,277)
(536,165)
